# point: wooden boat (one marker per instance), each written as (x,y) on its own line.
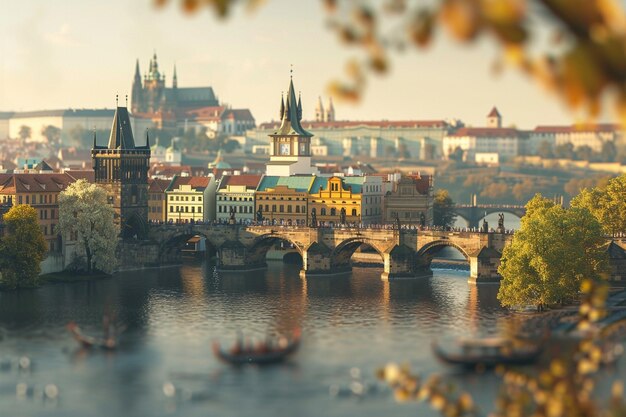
(107,343)
(488,352)
(260,356)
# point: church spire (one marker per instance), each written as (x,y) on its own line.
(299,105)
(290,123)
(137,72)
(175,78)
(319,110)
(282,106)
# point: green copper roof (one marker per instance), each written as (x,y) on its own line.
(298,183)
(355,182)
(291,115)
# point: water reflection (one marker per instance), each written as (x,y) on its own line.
(173,314)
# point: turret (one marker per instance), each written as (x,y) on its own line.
(175,79)
(282,107)
(319,110)
(299,106)
(330,111)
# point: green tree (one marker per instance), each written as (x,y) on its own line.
(443,209)
(565,151)
(544,150)
(24,133)
(456,154)
(584,153)
(554,249)
(22,248)
(609,151)
(85,213)
(607,204)
(231,145)
(52,134)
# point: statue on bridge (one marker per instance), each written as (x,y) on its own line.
(259,214)
(398,221)
(232,220)
(501,228)
(422,219)
(313,217)
(342,216)
(485,228)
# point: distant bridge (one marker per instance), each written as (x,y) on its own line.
(472,214)
(324,251)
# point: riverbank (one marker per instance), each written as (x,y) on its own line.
(70,276)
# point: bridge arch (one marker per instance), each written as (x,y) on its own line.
(257,251)
(342,253)
(170,249)
(427,252)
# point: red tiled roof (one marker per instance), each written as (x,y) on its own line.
(383,124)
(486,132)
(602,127)
(249,180)
(206,113)
(34,182)
(86,174)
(494,112)
(157,185)
(197,183)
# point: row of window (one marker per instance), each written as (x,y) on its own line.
(238,209)
(43,214)
(281,198)
(224,198)
(32,199)
(185,209)
(184,198)
(44,229)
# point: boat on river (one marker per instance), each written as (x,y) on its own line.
(488,352)
(270,352)
(108,342)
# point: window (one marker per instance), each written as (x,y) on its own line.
(289,208)
(282,208)
(273,208)
(354,212)
(199,209)
(333,211)
(297,209)
(171,209)
(19,199)
(199,198)
(193,209)
(27,199)
(323,211)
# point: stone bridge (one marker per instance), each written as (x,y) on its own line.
(324,251)
(472,214)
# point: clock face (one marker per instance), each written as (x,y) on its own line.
(285,149)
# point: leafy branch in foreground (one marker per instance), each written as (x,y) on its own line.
(564,388)
(583,62)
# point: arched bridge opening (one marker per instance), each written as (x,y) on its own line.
(278,247)
(442,253)
(355,251)
(186,245)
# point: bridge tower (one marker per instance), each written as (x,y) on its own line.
(121,168)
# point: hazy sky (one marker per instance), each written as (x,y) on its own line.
(80,53)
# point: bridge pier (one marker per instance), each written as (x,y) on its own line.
(399,262)
(233,256)
(317,260)
(484,266)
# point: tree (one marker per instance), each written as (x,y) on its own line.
(564,151)
(607,204)
(85,213)
(24,133)
(231,145)
(22,248)
(584,153)
(456,154)
(544,150)
(443,209)
(52,134)
(608,152)
(554,249)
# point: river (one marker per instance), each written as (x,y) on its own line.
(351,324)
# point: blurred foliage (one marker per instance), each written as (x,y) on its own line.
(584,63)
(564,388)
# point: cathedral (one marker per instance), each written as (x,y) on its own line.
(152,99)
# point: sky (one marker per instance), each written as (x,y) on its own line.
(81,53)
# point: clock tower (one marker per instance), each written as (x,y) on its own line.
(290,144)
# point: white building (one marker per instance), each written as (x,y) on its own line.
(219,120)
(191,199)
(236,193)
(593,136)
(162,155)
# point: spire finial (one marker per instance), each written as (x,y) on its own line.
(291,71)
(94,138)
(116,99)
(126,100)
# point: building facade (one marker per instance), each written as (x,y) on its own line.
(189,199)
(121,168)
(410,201)
(157,203)
(284,200)
(236,194)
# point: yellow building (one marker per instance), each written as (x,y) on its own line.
(157,203)
(328,196)
(283,200)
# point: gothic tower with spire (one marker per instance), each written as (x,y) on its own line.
(330,111)
(319,110)
(121,168)
(290,144)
